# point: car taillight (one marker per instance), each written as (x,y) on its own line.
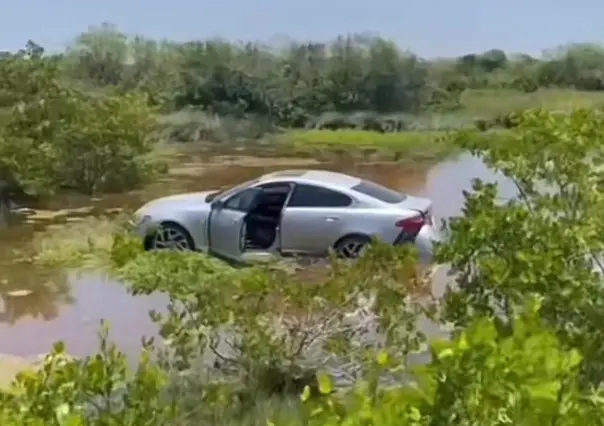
(412,225)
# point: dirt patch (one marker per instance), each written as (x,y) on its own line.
(51,215)
(11,365)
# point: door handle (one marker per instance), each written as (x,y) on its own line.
(331,218)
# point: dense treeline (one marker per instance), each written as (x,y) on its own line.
(293,85)
(81,119)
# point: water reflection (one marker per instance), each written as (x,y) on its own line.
(26,289)
(446,181)
(94,298)
(39,300)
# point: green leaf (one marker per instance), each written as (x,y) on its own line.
(414,414)
(383,358)
(305,394)
(574,358)
(446,353)
(547,391)
(326,384)
(62,412)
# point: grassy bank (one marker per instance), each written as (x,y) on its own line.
(399,146)
(423,136)
(489,103)
(323,145)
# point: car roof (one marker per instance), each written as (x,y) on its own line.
(322,177)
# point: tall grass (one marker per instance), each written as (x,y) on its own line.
(190,125)
(80,244)
(409,145)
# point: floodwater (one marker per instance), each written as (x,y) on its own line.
(39,307)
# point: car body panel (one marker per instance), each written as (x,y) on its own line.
(424,242)
(311,231)
(414,203)
(171,202)
(303,230)
(225,231)
(190,211)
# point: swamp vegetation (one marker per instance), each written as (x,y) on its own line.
(260,345)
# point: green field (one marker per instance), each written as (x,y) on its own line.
(489,103)
(416,145)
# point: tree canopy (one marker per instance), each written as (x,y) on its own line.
(301,81)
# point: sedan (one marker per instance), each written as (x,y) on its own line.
(290,212)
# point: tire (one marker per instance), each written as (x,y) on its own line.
(170,236)
(352,247)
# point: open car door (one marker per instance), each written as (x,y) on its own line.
(227,223)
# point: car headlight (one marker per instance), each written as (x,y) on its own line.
(139,221)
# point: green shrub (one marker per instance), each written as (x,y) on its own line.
(508,120)
(55,137)
(543,242)
(96,144)
(485,376)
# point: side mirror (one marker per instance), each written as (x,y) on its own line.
(217,205)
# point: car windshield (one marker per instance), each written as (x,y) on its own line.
(225,193)
(379,192)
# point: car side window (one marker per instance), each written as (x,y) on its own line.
(243,201)
(316,196)
(276,187)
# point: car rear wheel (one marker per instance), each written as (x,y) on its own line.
(170,236)
(352,247)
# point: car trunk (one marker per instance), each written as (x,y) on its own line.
(421,205)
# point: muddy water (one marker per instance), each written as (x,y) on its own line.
(39,307)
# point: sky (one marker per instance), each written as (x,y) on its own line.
(431,28)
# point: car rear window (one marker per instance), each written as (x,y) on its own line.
(379,192)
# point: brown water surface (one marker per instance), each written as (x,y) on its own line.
(39,307)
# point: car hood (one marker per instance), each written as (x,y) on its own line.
(179,201)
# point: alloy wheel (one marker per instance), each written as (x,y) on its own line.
(352,249)
(170,238)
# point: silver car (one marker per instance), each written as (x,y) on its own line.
(291,212)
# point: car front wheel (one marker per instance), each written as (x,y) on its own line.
(170,236)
